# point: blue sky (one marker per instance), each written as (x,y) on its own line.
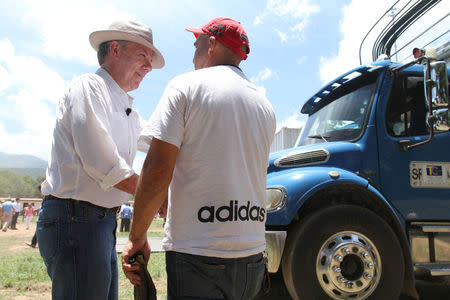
(296,46)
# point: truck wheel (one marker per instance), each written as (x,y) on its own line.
(343,252)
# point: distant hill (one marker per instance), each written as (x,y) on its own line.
(33,172)
(23,164)
(8,161)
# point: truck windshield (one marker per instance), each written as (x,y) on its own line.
(343,118)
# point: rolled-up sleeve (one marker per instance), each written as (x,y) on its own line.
(167,121)
(91,122)
(145,138)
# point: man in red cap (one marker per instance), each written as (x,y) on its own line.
(211,134)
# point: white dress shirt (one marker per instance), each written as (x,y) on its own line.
(16,207)
(94,142)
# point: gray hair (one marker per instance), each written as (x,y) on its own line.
(103,50)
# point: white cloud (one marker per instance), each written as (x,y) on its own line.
(27,142)
(299,27)
(28,100)
(291,122)
(29,73)
(258,19)
(35,115)
(29,88)
(355,24)
(295,8)
(263,75)
(65,25)
(300,60)
(283,36)
(5,80)
(295,12)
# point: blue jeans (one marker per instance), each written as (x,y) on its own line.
(77,241)
(201,277)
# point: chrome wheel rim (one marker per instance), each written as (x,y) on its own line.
(348,266)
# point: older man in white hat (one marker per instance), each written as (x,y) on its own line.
(90,173)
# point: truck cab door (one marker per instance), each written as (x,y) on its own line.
(416,181)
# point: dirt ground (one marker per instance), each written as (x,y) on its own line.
(21,229)
(20,232)
(40,291)
(14,241)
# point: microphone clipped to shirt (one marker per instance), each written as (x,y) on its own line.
(128,111)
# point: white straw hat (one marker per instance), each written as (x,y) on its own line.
(128,31)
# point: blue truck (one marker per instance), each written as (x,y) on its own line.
(361,205)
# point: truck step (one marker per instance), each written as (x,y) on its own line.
(435,269)
(433,227)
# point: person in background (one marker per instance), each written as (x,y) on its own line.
(126,213)
(34,238)
(211,135)
(90,173)
(1,214)
(7,209)
(15,215)
(29,211)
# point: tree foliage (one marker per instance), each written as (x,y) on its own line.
(13,185)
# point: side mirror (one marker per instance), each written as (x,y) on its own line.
(437,97)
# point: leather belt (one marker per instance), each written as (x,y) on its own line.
(114,210)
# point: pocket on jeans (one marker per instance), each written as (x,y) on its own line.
(97,212)
(255,277)
(48,237)
(199,279)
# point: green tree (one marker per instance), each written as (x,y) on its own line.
(13,185)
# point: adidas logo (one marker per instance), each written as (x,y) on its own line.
(231,213)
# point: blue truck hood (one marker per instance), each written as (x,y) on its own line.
(345,155)
(310,171)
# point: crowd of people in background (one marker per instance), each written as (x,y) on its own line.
(10,211)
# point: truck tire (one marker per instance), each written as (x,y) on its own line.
(343,252)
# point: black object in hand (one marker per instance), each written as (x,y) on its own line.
(147,290)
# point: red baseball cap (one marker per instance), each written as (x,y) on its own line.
(227,31)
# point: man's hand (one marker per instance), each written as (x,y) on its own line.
(129,184)
(130,249)
(163,209)
(151,192)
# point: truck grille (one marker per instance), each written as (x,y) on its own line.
(303,158)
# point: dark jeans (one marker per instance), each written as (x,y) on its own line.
(77,242)
(124,225)
(34,240)
(14,220)
(201,277)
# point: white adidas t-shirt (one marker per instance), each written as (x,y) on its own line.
(223,126)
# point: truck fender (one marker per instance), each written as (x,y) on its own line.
(398,224)
(313,179)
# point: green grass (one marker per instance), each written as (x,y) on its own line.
(157,269)
(155,230)
(23,273)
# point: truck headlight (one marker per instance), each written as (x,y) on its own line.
(276,198)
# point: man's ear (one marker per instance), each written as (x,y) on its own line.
(114,48)
(212,45)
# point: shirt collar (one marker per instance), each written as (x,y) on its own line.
(113,85)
